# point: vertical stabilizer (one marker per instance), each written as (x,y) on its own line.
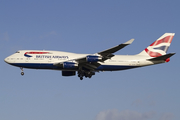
(159,47)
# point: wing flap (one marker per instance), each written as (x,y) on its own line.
(90,66)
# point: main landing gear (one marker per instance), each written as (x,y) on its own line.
(81,74)
(22,73)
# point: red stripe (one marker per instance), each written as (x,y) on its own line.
(36,52)
(167,39)
(171,39)
(152,54)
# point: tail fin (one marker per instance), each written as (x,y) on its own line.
(159,47)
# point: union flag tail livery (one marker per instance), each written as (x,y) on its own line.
(160,46)
(86,65)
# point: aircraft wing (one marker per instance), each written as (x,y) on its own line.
(106,54)
(79,62)
(91,62)
(116,48)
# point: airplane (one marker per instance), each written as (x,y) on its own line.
(86,65)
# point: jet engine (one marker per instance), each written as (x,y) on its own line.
(93,58)
(68,73)
(69,65)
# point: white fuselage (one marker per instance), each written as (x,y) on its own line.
(37,59)
(87,64)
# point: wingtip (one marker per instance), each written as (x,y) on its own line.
(129,42)
(173,53)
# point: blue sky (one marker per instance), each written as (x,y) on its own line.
(149,93)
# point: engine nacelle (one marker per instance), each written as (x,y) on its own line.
(93,58)
(68,73)
(69,65)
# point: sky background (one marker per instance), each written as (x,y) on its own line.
(89,26)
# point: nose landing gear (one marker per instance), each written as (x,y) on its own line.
(22,73)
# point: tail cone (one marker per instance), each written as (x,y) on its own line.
(167,60)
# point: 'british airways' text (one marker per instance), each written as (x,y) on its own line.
(48,56)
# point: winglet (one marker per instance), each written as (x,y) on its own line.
(129,42)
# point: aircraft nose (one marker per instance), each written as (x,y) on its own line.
(6,60)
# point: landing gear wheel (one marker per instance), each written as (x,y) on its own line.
(81,78)
(22,73)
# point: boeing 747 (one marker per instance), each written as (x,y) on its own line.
(86,65)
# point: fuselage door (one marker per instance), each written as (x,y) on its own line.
(27,59)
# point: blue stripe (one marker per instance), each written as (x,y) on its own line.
(27,55)
(51,66)
(36,65)
(114,67)
(161,48)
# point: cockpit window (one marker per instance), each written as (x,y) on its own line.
(17,52)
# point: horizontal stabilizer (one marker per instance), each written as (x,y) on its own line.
(163,57)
